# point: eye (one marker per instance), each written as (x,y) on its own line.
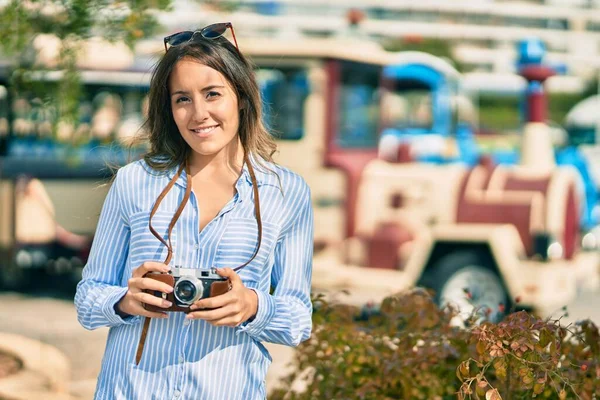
(182,99)
(212,94)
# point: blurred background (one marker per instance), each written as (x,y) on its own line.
(448,144)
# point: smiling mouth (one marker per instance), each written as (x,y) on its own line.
(204,131)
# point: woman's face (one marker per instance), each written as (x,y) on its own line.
(205,107)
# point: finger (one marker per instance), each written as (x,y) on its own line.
(230,274)
(150,266)
(214,302)
(149,284)
(227,273)
(152,300)
(213,315)
(138,309)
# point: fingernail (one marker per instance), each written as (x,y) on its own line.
(189,316)
(168,303)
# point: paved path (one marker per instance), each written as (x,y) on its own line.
(586,306)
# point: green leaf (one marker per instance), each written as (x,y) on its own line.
(545,337)
(481,347)
(538,388)
(72,22)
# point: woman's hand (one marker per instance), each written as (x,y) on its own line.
(229,309)
(131,303)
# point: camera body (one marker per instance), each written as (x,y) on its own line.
(189,285)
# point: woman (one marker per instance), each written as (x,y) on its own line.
(206,136)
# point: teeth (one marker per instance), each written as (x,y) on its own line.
(204,130)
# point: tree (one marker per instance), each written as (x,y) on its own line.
(72,22)
(438,47)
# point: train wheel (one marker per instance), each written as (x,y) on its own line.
(466,281)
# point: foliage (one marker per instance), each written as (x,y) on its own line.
(437,47)
(226,6)
(410,349)
(72,22)
(559,104)
(499,112)
(503,113)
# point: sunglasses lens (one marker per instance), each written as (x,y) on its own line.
(214,31)
(180,37)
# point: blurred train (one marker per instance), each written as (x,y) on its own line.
(384,220)
(446,136)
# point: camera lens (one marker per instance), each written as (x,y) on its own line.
(187,291)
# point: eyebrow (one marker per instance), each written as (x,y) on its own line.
(207,88)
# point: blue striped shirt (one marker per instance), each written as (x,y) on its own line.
(186,359)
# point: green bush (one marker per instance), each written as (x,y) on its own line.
(502,113)
(410,349)
(499,113)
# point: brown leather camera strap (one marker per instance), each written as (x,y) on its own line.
(188,191)
(186,196)
(256,212)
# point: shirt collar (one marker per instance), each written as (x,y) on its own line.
(244,181)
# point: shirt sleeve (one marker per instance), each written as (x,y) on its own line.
(285,317)
(100,288)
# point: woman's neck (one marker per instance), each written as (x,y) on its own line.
(222,165)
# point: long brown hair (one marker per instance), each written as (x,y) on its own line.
(167,147)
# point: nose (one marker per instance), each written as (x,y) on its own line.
(200,111)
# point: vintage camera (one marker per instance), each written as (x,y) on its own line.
(189,285)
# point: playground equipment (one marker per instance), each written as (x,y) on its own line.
(480,234)
(439,123)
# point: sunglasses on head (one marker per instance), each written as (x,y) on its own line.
(213,31)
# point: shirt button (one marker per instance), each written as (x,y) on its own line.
(181,359)
(177,393)
(186,322)
(196,246)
